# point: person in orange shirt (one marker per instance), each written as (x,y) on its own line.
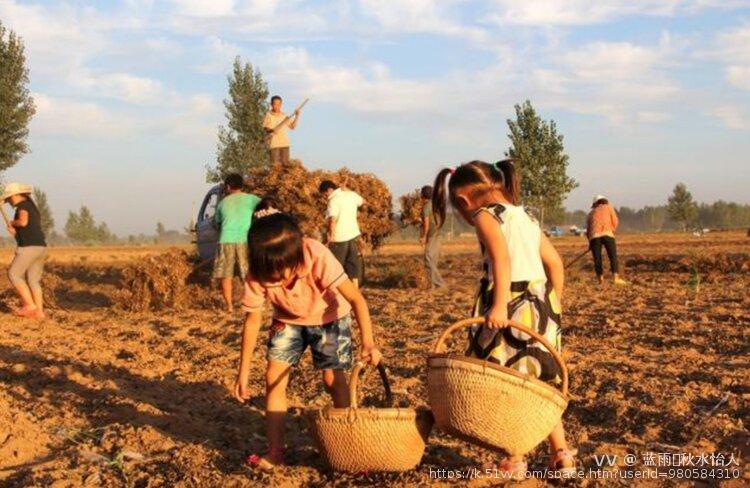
(600,230)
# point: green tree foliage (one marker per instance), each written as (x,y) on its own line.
(538,151)
(241,145)
(717,215)
(48,221)
(81,228)
(681,207)
(16,105)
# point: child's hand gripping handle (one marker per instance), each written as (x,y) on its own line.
(354,381)
(462,324)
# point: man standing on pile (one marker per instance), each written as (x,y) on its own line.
(275,123)
(343,232)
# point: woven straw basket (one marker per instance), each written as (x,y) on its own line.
(358,439)
(491,405)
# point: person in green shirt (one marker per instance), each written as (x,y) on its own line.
(234,216)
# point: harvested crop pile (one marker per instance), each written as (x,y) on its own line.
(296,190)
(411,208)
(158,282)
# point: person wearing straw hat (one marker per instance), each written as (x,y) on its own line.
(600,229)
(25,271)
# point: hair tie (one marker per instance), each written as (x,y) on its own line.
(452,170)
(266,212)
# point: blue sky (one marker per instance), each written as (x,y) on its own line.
(646,92)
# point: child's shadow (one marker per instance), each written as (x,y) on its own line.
(200,412)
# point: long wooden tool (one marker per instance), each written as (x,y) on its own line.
(575,259)
(285,121)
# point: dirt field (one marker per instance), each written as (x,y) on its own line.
(99,396)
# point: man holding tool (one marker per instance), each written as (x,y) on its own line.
(275,123)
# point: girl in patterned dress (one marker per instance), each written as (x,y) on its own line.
(522,281)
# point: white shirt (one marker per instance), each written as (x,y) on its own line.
(271,121)
(342,206)
(524,239)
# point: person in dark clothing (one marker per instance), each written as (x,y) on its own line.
(600,229)
(25,272)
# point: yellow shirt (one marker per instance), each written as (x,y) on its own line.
(270,121)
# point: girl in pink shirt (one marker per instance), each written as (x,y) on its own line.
(312,299)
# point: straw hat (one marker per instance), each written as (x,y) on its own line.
(15,189)
(597,198)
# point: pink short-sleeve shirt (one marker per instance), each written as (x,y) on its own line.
(312,298)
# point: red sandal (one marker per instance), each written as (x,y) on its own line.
(270,461)
(513,470)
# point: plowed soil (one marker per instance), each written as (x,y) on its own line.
(105,394)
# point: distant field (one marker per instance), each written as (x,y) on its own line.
(97,254)
(629,243)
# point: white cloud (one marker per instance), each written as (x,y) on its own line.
(734,44)
(581,12)
(611,61)
(733,48)
(623,81)
(733,117)
(61,116)
(194,121)
(739,76)
(263,20)
(652,117)
(420,16)
(56,39)
(373,90)
(219,54)
(123,86)
(204,8)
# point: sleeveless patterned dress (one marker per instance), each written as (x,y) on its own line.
(533,303)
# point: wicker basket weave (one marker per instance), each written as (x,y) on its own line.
(491,405)
(358,439)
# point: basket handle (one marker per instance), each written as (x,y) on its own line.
(461,324)
(354,381)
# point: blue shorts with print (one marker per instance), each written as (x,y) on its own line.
(331,344)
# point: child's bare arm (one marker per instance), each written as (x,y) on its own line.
(352,294)
(249,338)
(491,235)
(553,265)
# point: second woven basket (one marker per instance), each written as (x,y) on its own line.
(491,405)
(359,439)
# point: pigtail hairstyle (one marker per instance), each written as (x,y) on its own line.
(440,196)
(476,177)
(511,181)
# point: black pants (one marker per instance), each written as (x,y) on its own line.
(608,242)
(347,253)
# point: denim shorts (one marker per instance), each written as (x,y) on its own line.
(331,344)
